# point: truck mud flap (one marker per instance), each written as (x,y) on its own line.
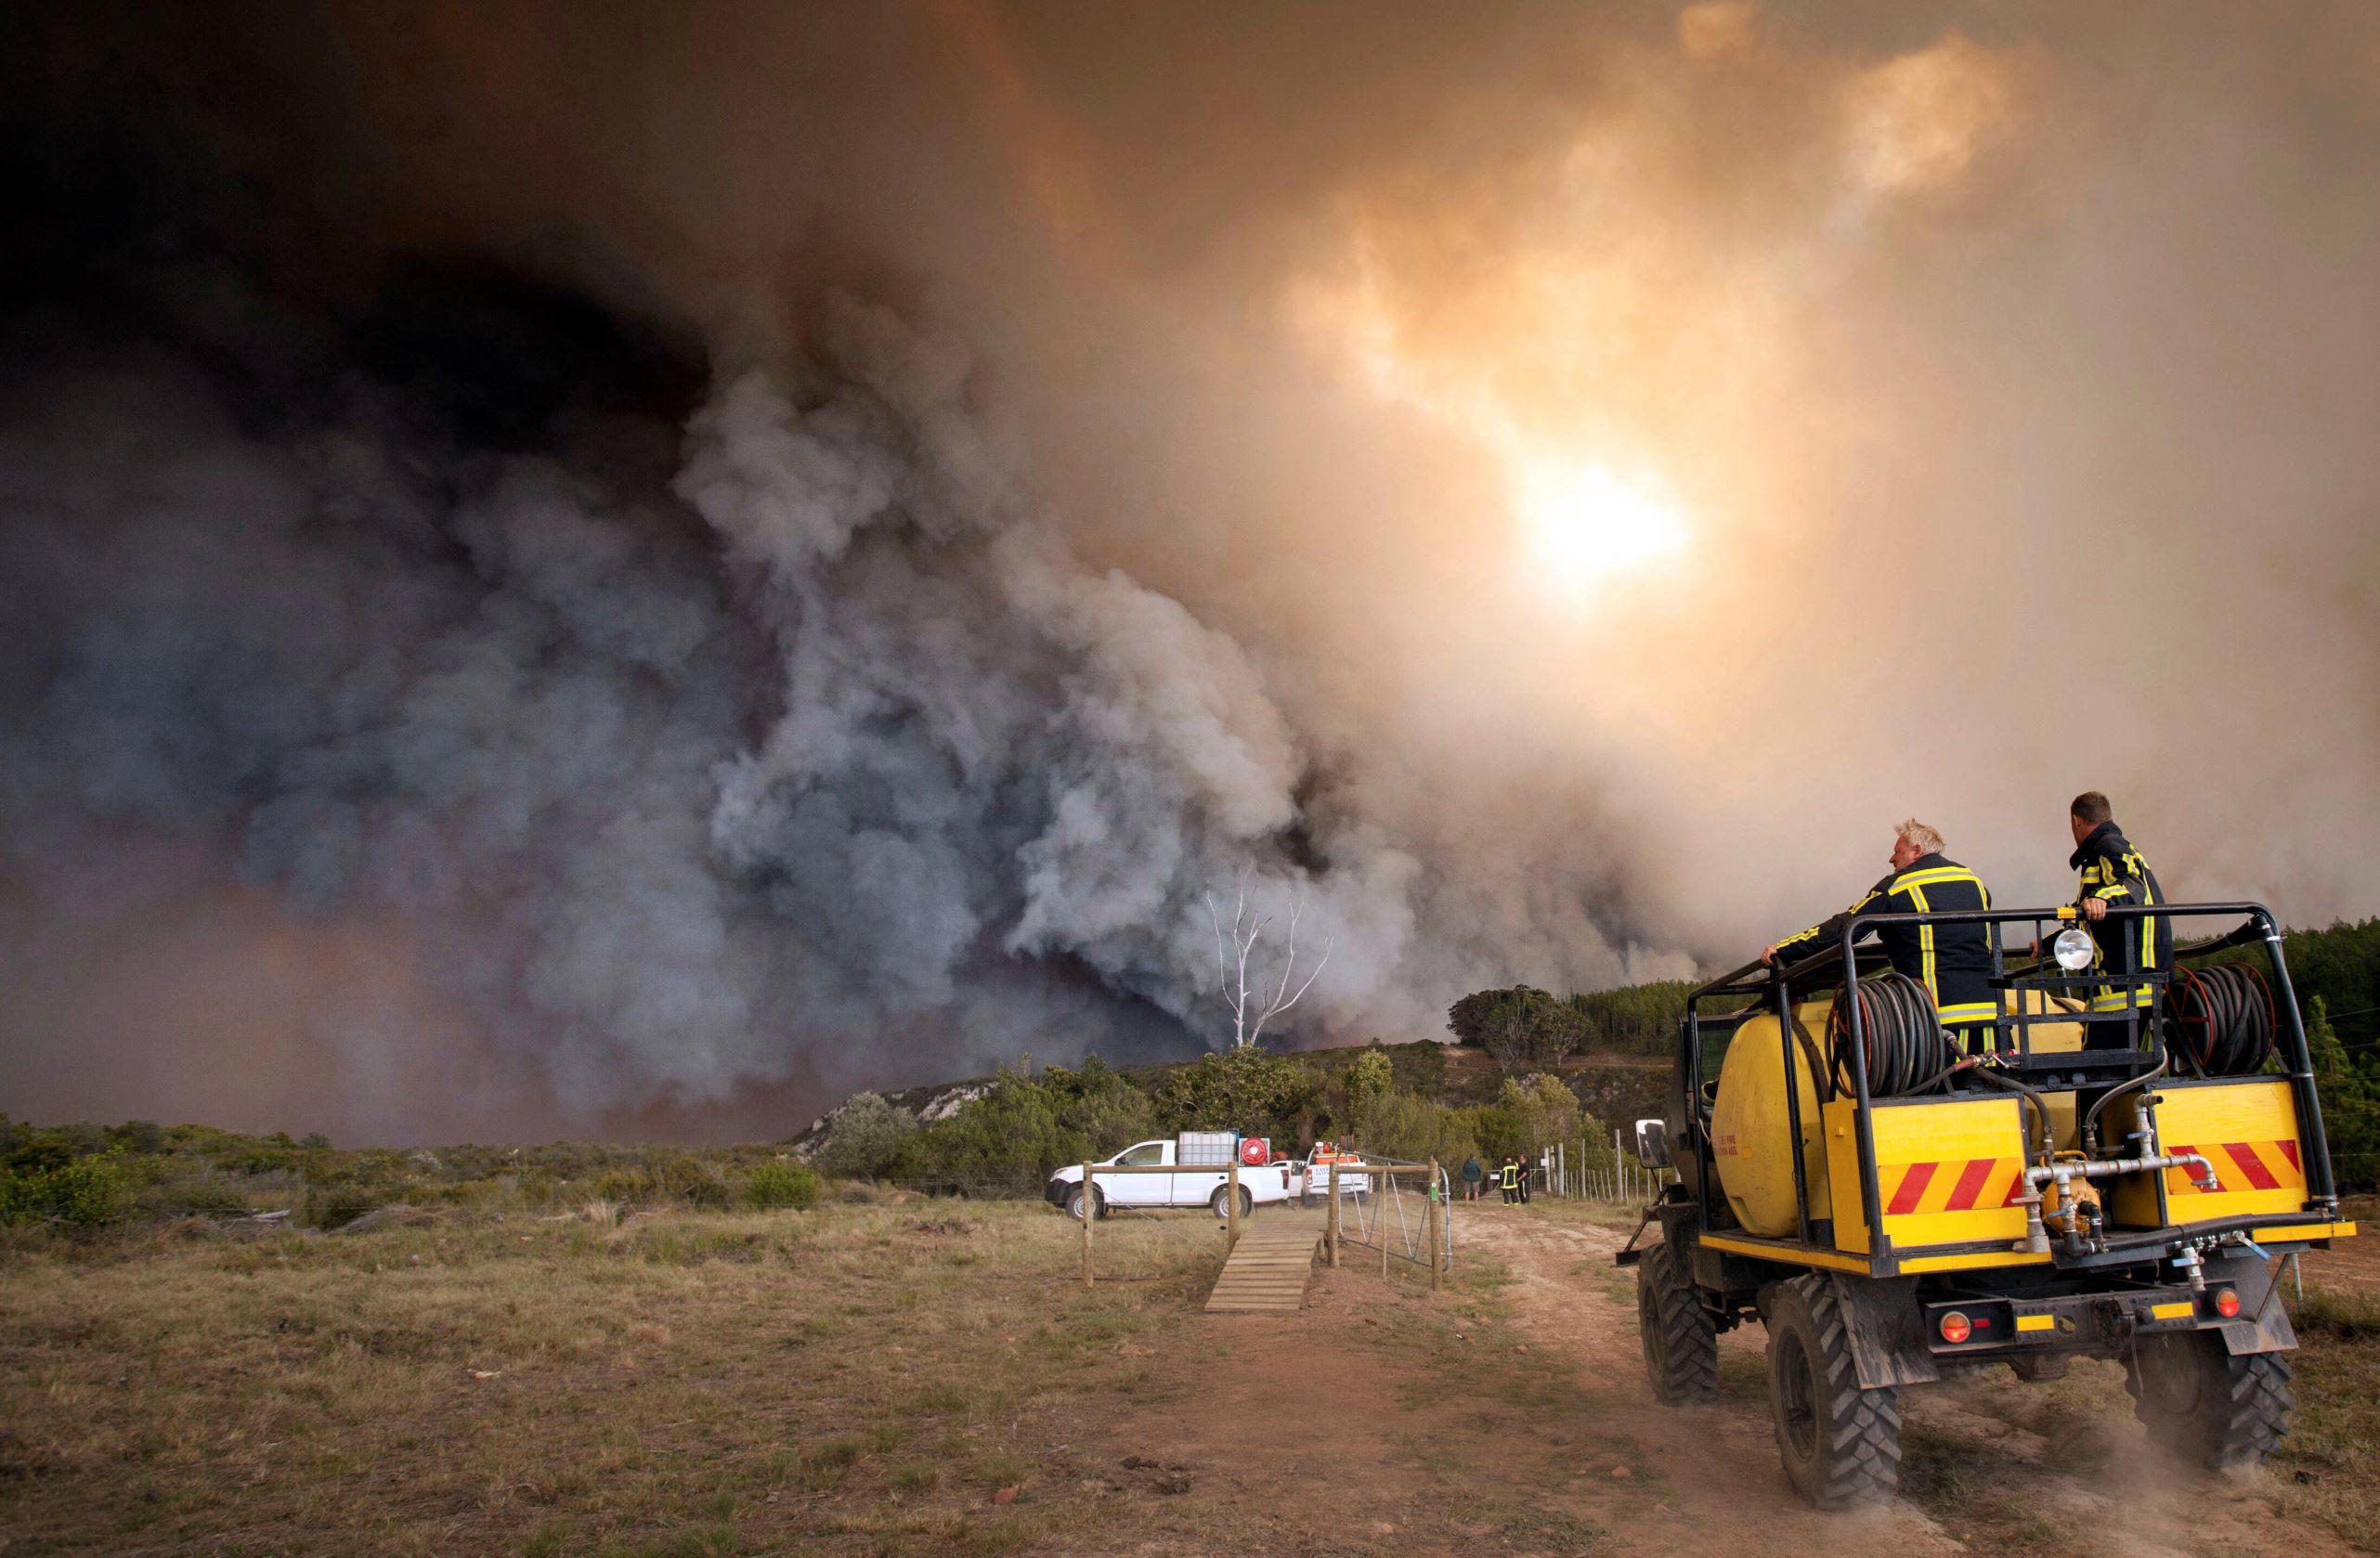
(2263,1325)
(1888,1342)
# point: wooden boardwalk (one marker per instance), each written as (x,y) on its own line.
(1273,1265)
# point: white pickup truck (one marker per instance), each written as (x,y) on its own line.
(1201,1163)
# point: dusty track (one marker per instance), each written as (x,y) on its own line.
(1517,1420)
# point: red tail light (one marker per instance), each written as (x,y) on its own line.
(2227,1302)
(1955,1327)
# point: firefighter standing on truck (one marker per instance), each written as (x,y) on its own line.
(2114,872)
(1954,962)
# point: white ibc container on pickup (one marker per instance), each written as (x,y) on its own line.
(1205,1148)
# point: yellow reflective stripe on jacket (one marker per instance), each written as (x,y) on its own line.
(1915,885)
(1969,1011)
(1925,939)
(1936,873)
(1805,935)
(2140,869)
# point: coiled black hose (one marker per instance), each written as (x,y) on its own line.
(2220,1020)
(1907,1051)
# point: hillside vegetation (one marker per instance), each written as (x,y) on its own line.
(1529,1070)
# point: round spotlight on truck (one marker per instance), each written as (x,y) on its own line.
(2073,949)
(2227,1302)
(1955,1327)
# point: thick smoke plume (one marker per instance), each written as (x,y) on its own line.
(809,749)
(633,568)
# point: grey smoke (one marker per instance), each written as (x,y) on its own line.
(863,772)
(415,720)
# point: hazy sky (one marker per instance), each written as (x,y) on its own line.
(633,568)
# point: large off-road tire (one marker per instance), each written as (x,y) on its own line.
(1075,1204)
(1221,1203)
(1680,1340)
(2205,1406)
(1841,1445)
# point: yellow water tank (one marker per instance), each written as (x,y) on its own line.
(1749,1129)
(1748,1125)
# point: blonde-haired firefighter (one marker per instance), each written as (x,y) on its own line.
(1954,962)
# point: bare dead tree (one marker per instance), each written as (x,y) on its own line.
(1231,970)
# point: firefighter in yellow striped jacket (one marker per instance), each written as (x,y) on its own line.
(2114,872)
(1954,962)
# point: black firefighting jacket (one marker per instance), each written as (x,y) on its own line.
(2112,869)
(1952,961)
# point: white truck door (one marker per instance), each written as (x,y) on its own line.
(1139,1190)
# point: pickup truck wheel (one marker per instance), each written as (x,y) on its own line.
(1075,1204)
(2206,1405)
(1841,1445)
(1680,1340)
(1221,1203)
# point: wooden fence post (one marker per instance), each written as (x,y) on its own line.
(1090,1210)
(1232,1203)
(1331,1225)
(1436,1212)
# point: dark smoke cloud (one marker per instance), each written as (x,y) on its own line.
(806,742)
(635,567)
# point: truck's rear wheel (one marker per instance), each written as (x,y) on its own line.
(1075,1204)
(1681,1341)
(1841,1445)
(1221,1203)
(2206,1404)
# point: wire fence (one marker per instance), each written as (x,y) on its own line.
(1379,1211)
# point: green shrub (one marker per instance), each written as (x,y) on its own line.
(40,1151)
(865,1136)
(139,1135)
(466,1192)
(690,1180)
(1251,1090)
(623,1184)
(782,1184)
(87,1193)
(1008,1138)
(340,1204)
(193,1197)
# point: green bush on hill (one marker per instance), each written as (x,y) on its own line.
(864,1137)
(1387,1099)
(782,1183)
(1250,1090)
(84,1192)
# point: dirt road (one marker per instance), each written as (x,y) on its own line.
(1512,1417)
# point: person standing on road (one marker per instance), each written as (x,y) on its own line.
(1471,1177)
(1509,1174)
(1526,1168)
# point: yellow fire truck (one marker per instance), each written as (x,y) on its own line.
(1895,1206)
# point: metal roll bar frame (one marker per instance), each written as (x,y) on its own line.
(1774,983)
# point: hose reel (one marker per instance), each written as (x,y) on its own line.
(1907,1051)
(2220,1020)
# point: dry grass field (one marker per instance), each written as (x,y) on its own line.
(920,1376)
(682,1384)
